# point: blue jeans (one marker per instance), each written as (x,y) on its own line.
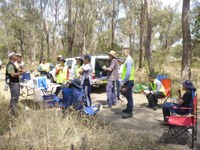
(110,91)
(118,87)
(168,107)
(129,96)
(87,90)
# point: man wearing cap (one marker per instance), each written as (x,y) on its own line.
(86,81)
(58,60)
(61,74)
(182,101)
(156,90)
(112,71)
(128,81)
(12,79)
(19,63)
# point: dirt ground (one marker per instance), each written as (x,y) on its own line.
(145,121)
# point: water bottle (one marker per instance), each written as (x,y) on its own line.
(6,87)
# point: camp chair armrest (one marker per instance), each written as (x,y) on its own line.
(186,108)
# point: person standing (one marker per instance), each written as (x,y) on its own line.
(112,78)
(77,67)
(119,81)
(61,74)
(12,79)
(128,81)
(86,81)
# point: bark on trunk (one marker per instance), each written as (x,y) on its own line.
(187,53)
(142,35)
(148,38)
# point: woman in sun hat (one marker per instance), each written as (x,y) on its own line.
(112,71)
(183,101)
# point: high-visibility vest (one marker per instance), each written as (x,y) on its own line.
(63,75)
(154,88)
(45,67)
(77,70)
(124,69)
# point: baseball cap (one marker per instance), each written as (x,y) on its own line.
(11,54)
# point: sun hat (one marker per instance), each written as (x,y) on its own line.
(11,54)
(113,53)
(59,56)
(188,84)
(76,83)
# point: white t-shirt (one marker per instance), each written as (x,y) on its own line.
(87,73)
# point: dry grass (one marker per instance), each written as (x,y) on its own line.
(48,129)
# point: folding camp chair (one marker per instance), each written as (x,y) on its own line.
(178,125)
(167,85)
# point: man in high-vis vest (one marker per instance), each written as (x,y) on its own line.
(155,91)
(62,74)
(128,80)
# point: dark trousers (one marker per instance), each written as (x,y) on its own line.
(153,98)
(58,89)
(15,93)
(129,96)
(172,107)
(87,90)
(110,91)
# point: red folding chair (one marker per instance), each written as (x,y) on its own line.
(178,125)
(167,85)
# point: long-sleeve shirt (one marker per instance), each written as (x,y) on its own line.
(129,64)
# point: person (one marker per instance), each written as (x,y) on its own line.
(118,82)
(156,90)
(58,60)
(182,101)
(44,68)
(128,81)
(86,81)
(19,63)
(78,67)
(61,74)
(112,78)
(12,79)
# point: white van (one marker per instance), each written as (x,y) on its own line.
(99,75)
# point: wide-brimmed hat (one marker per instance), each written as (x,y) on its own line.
(11,54)
(76,83)
(113,53)
(59,56)
(188,84)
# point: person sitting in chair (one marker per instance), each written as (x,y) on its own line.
(183,101)
(155,91)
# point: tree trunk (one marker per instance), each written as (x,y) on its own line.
(113,26)
(142,35)
(187,53)
(148,38)
(69,37)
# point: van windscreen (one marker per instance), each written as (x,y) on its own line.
(99,72)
